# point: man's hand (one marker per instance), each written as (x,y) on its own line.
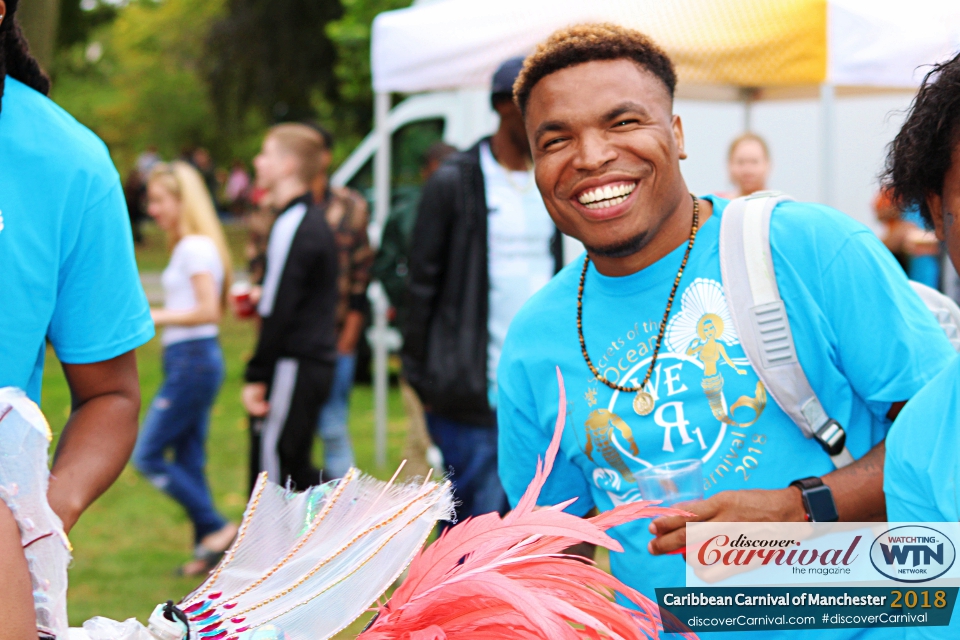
(857,492)
(781,505)
(99,435)
(350,333)
(254,397)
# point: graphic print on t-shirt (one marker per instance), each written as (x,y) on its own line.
(703,326)
(700,366)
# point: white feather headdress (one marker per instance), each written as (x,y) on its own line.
(312,562)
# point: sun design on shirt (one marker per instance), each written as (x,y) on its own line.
(591,397)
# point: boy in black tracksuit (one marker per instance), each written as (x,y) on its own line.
(291,371)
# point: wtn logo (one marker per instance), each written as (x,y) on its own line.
(897,554)
(912,553)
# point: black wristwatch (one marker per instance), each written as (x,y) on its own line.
(817,500)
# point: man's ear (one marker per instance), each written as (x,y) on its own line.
(678,137)
(935,205)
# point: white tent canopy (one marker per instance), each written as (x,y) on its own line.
(752,43)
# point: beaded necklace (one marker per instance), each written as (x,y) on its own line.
(643,402)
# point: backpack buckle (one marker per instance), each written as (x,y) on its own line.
(831,437)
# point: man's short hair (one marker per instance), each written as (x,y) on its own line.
(304,142)
(588,43)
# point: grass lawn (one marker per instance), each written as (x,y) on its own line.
(127,545)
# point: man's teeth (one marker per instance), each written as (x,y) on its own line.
(603,204)
(603,197)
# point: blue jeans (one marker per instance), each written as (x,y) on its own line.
(332,426)
(470,454)
(178,421)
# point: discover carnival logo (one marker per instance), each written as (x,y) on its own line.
(746,551)
(912,553)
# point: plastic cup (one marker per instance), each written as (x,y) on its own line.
(672,483)
(243,306)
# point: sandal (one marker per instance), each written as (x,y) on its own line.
(204,560)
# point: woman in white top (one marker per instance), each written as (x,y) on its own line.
(195,285)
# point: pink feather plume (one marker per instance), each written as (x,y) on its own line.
(491,577)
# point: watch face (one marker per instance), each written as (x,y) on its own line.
(820,504)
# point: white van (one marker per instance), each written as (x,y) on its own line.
(459,118)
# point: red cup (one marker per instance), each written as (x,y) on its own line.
(243,306)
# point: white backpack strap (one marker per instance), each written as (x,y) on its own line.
(944,310)
(760,318)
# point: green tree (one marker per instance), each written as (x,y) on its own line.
(146,73)
(147,88)
(350,116)
(39,20)
(78,20)
(271,56)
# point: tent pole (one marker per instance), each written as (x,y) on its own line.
(828,95)
(748,95)
(381,189)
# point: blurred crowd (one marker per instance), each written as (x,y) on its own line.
(456,261)
(231,189)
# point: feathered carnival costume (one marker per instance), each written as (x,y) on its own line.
(306,565)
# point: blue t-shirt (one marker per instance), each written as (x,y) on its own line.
(921,476)
(67,267)
(865,340)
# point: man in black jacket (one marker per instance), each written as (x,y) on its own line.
(482,245)
(290,373)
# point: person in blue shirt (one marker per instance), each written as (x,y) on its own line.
(654,368)
(909,239)
(922,477)
(69,277)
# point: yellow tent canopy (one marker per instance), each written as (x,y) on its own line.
(741,43)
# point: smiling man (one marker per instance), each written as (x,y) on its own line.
(642,333)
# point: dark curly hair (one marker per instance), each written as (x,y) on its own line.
(919,157)
(15,58)
(587,43)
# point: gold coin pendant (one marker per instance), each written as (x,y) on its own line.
(643,403)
